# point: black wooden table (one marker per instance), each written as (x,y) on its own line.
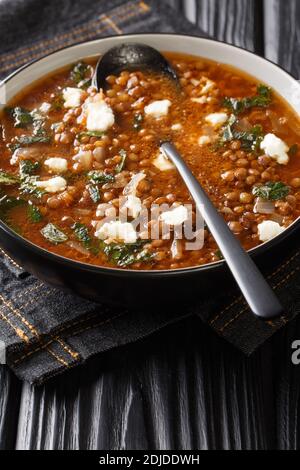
(183,388)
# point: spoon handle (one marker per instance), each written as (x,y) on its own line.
(257,292)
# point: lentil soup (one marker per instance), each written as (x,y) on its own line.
(70,154)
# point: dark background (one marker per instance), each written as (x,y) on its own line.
(183,388)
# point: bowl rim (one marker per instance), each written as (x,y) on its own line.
(114,271)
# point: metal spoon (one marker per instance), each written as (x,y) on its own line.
(257,292)
(131,56)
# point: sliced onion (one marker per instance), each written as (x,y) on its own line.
(278,124)
(262,206)
(132,186)
(78,247)
(244,124)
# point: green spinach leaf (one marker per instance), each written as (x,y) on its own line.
(53,234)
(34,214)
(94,193)
(28,167)
(250,140)
(26,140)
(81,74)
(28,187)
(22,117)
(271,191)
(126,254)
(10,202)
(262,99)
(100,177)
(138,121)
(82,234)
(8,179)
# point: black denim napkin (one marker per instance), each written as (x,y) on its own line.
(45,330)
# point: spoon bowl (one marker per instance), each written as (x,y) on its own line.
(131,56)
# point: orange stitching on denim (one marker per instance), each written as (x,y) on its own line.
(74,333)
(112,24)
(75,354)
(18,331)
(17,312)
(43,346)
(57,39)
(144,6)
(46,42)
(76,322)
(237,300)
(40,54)
(269,277)
(60,330)
(284,265)
(58,358)
(30,290)
(24,320)
(10,306)
(122,15)
(10,259)
(285,279)
(233,319)
(282,282)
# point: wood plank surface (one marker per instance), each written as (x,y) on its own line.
(183,388)
(282,33)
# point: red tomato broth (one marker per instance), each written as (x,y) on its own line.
(208,162)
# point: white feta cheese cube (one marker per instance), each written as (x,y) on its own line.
(158,109)
(45,108)
(116,231)
(216,119)
(201,100)
(73,97)
(176,127)
(53,185)
(134,206)
(85,158)
(176,216)
(163,163)
(208,86)
(100,116)
(204,140)
(275,148)
(56,164)
(268,230)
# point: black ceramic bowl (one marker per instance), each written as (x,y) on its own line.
(144,288)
